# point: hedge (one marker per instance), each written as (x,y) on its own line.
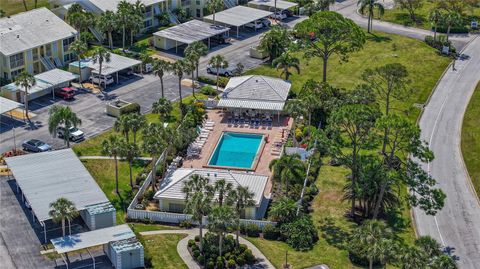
(222,81)
(130,108)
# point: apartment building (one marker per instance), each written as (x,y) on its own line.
(35,41)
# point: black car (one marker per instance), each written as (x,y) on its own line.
(288,12)
(35,145)
(218,40)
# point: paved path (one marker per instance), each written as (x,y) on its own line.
(182,250)
(458,224)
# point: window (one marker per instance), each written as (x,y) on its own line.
(199,13)
(147,24)
(197,2)
(48,49)
(67,42)
(35,54)
(176,208)
(17,60)
(16,73)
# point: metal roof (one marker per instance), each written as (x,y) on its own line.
(126,245)
(45,80)
(239,15)
(271,4)
(32,29)
(92,238)
(111,5)
(171,186)
(255,92)
(7,105)
(192,31)
(117,63)
(45,177)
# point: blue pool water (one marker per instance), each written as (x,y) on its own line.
(236,150)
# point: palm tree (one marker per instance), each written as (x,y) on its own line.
(137,122)
(62,115)
(160,67)
(107,23)
(122,125)
(179,68)
(124,10)
(285,62)
(369,7)
(275,42)
(136,19)
(286,169)
(112,147)
(195,51)
(25,5)
(163,108)
(295,108)
(218,62)
(222,187)
(63,209)
(75,17)
(451,19)
(155,138)
(198,197)
(190,68)
(79,48)
(100,55)
(435,16)
(26,81)
(413,258)
(240,199)
(284,210)
(324,5)
(213,6)
(219,221)
(129,151)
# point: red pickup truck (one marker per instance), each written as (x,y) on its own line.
(65,93)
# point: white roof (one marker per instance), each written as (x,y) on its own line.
(45,177)
(32,29)
(45,80)
(192,31)
(255,92)
(239,15)
(271,3)
(116,63)
(111,5)
(92,238)
(7,105)
(171,186)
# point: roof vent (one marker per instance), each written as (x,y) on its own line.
(18,36)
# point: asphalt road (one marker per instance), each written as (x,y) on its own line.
(457,225)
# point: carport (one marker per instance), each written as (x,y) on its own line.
(6,106)
(119,243)
(45,177)
(270,4)
(187,33)
(45,83)
(238,16)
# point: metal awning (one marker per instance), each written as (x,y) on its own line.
(251,104)
(46,80)
(238,16)
(7,105)
(192,31)
(270,4)
(117,63)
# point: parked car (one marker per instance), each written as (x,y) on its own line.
(227,72)
(266,22)
(278,16)
(35,145)
(105,80)
(218,39)
(254,25)
(66,93)
(288,12)
(126,72)
(75,133)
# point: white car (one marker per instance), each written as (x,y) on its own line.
(254,25)
(266,22)
(105,80)
(278,16)
(75,133)
(227,72)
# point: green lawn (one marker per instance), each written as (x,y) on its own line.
(471,138)
(423,64)
(142,227)
(103,171)
(12,7)
(162,250)
(399,16)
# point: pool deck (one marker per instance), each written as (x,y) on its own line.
(266,155)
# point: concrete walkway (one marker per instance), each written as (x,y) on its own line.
(182,250)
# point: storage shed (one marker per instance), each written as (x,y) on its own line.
(99,216)
(127,253)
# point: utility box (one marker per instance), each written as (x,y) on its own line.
(99,216)
(125,254)
(257,53)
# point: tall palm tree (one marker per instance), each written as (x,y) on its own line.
(160,67)
(287,169)
(222,188)
(295,108)
(163,108)
(62,116)
(79,48)
(213,6)
(451,19)
(112,147)
(155,138)
(124,10)
(283,210)
(219,221)
(275,42)
(285,62)
(190,69)
(26,81)
(198,197)
(369,6)
(75,16)
(195,51)
(136,19)
(240,198)
(137,122)
(107,23)
(179,68)
(129,151)
(100,55)
(122,125)
(218,62)
(61,210)
(435,16)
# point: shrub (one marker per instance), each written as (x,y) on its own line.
(148,195)
(201,259)
(242,248)
(130,108)
(195,247)
(240,259)
(222,81)
(252,230)
(186,224)
(300,233)
(231,264)
(197,238)
(196,253)
(191,243)
(219,264)
(270,232)
(208,90)
(210,264)
(249,258)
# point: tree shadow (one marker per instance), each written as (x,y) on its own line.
(333,234)
(378,38)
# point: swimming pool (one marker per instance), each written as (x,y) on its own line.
(236,150)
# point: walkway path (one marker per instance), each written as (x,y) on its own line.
(182,250)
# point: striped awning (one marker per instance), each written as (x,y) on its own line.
(250,104)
